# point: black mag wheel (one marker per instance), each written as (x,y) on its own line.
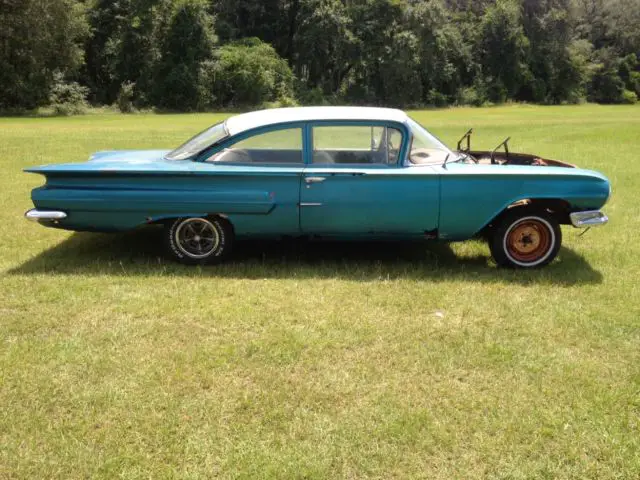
(199,240)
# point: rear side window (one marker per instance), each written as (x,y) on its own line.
(356,145)
(274,147)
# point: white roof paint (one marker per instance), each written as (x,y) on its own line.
(262,118)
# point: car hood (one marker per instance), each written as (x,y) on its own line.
(455,168)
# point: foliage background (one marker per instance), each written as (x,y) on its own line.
(205,54)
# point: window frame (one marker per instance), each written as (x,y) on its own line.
(306,128)
(401,127)
(408,161)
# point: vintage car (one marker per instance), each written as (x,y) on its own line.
(324,172)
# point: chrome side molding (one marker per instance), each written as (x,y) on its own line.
(36,215)
(592,218)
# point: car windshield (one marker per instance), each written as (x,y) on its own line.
(199,143)
(425,148)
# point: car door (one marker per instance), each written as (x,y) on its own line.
(256,180)
(355,183)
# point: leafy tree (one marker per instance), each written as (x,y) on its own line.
(188,43)
(392,52)
(138,50)
(125,98)
(106,20)
(554,74)
(37,39)
(623,25)
(378,28)
(124,47)
(474,7)
(606,85)
(445,56)
(399,72)
(246,72)
(592,23)
(67,98)
(324,46)
(273,21)
(629,74)
(502,49)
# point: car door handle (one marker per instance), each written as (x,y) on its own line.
(314,179)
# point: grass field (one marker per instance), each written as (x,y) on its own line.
(320,360)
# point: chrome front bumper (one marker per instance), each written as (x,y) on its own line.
(592,218)
(36,215)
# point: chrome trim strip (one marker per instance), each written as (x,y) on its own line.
(36,215)
(591,218)
(310,204)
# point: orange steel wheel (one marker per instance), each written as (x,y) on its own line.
(528,240)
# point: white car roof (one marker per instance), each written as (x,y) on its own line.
(261,118)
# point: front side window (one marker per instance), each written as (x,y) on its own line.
(425,148)
(356,145)
(279,146)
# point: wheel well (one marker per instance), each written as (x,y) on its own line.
(226,219)
(558,208)
(168,220)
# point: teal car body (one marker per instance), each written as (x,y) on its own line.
(385,190)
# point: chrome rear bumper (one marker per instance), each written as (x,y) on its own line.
(36,215)
(592,218)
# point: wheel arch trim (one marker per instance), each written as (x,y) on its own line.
(562,213)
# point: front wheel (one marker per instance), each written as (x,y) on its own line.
(199,240)
(526,239)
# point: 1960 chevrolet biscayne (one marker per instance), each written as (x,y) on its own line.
(341,172)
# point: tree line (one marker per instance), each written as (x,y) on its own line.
(188,55)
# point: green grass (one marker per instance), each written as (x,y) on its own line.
(320,360)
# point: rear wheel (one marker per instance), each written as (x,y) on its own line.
(526,238)
(199,240)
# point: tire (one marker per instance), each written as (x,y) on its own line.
(525,238)
(199,240)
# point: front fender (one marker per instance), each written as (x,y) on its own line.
(472,199)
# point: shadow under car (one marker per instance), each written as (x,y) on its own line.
(140,252)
